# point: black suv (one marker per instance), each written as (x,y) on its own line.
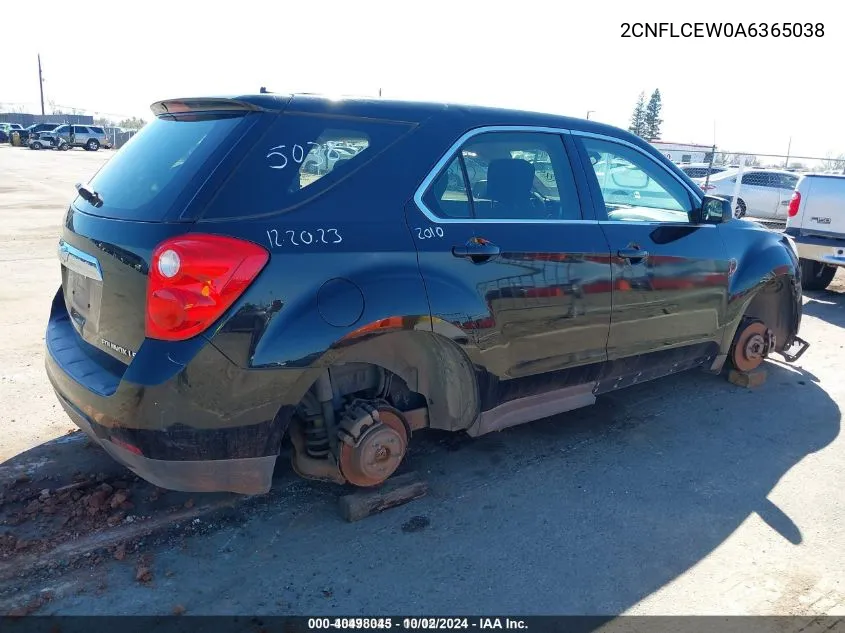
(337,275)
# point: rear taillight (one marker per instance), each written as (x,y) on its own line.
(194,279)
(794,203)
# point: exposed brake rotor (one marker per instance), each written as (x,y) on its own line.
(752,345)
(373,441)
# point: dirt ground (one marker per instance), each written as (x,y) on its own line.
(682,496)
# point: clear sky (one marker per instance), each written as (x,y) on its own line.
(563,57)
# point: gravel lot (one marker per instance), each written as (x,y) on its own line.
(683,496)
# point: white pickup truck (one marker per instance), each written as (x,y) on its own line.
(816,222)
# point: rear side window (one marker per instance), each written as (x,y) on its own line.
(97,130)
(162,163)
(80,129)
(786,181)
(299,157)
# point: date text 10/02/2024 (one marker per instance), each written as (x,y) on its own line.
(722,29)
(417,624)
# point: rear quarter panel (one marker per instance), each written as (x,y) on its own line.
(342,262)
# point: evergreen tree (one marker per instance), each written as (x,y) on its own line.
(651,118)
(638,117)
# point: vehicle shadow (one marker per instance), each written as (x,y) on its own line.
(595,510)
(586,513)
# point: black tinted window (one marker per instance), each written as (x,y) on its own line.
(97,130)
(80,129)
(148,174)
(298,158)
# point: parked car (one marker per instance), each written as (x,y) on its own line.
(47,140)
(816,221)
(700,170)
(217,301)
(89,137)
(763,194)
(6,130)
(35,128)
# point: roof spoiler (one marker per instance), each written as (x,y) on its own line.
(176,106)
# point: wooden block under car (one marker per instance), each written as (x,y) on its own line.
(394,492)
(748,379)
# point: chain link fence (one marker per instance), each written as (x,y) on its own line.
(119,136)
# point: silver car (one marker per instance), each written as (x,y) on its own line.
(90,137)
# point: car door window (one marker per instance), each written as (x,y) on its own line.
(80,129)
(507,176)
(634,187)
(64,129)
(757,179)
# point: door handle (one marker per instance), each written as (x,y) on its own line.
(478,251)
(633,255)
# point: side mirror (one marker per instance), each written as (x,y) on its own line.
(713,210)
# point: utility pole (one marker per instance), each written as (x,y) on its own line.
(788,147)
(41,84)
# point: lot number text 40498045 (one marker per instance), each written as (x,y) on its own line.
(417,623)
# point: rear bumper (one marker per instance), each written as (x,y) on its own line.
(247,475)
(182,418)
(827,250)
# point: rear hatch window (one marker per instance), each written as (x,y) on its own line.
(161,168)
(299,157)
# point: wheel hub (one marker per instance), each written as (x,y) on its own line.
(752,346)
(373,443)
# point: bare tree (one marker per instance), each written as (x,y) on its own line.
(831,163)
(732,158)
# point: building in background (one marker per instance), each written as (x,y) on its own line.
(29,119)
(684,152)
